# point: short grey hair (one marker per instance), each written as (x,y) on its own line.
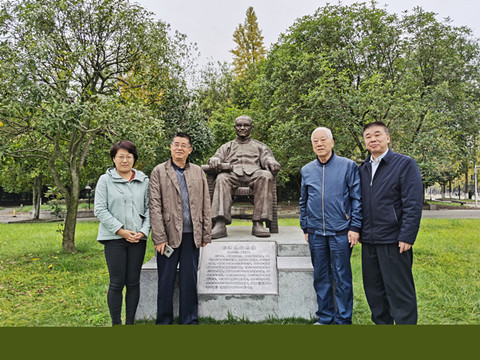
(327,131)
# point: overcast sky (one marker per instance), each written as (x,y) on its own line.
(211,23)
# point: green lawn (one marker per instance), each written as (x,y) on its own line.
(40,285)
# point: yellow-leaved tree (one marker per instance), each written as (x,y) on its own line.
(250,48)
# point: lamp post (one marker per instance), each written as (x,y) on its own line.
(89,189)
(476,184)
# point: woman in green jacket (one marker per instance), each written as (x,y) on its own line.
(121,206)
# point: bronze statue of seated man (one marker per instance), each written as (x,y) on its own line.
(253,165)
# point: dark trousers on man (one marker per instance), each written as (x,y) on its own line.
(388,284)
(187,256)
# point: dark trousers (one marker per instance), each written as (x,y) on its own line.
(388,284)
(187,256)
(124,262)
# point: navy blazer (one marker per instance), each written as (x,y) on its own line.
(393,201)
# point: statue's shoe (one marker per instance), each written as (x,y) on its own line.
(219,232)
(260,231)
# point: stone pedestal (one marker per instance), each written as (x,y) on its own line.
(246,277)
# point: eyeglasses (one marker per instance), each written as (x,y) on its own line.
(121,157)
(178,145)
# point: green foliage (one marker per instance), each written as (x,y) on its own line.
(346,66)
(54,197)
(222,97)
(18,174)
(215,87)
(181,114)
(78,75)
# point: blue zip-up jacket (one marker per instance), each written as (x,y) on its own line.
(121,203)
(393,201)
(330,201)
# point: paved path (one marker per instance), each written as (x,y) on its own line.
(451,214)
(6,215)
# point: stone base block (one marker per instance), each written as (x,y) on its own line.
(296,296)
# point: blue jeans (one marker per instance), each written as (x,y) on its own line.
(332,278)
(124,262)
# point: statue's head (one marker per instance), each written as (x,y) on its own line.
(243,126)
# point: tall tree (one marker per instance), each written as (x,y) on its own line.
(77,75)
(345,66)
(443,69)
(250,48)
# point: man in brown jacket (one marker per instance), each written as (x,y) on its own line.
(180,217)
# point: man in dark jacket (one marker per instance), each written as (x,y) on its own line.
(392,194)
(331,217)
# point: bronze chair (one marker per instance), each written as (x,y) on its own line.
(243,192)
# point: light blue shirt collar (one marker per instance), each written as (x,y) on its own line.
(377,162)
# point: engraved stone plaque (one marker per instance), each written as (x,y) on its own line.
(238,267)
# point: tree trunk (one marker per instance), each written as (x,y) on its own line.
(69,230)
(466,184)
(37,196)
(70,224)
(71,201)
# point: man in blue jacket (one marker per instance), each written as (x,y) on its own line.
(331,218)
(392,208)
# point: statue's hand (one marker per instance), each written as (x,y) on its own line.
(273,166)
(214,163)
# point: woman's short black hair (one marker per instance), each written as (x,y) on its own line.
(127,145)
